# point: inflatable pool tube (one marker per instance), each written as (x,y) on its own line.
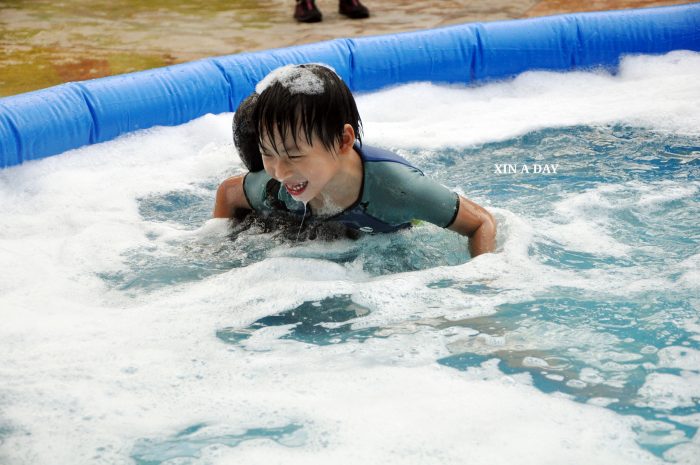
(50,121)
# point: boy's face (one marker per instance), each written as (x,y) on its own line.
(303,169)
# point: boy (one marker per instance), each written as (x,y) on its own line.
(308,128)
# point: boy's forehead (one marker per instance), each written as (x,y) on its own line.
(279,147)
(282,144)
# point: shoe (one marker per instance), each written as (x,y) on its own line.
(353,9)
(307,12)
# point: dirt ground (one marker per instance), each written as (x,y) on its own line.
(45,43)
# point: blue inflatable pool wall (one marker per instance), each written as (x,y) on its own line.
(53,120)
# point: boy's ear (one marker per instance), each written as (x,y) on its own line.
(348,138)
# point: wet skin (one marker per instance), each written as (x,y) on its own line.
(328,180)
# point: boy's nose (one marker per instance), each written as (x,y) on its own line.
(281,169)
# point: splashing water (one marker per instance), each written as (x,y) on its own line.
(135,329)
(301,224)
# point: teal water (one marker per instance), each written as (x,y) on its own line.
(186,444)
(614,244)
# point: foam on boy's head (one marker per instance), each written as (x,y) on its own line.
(297,79)
(304,101)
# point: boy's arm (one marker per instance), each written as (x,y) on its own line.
(230,197)
(476,223)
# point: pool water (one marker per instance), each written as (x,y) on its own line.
(141,331)
(610,314)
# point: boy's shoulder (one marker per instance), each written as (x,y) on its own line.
(386,170)
(396,191)
(370,154)
(389,181)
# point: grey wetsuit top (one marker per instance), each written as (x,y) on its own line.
(393,193)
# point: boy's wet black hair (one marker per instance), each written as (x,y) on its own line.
(245,137)
(301,114)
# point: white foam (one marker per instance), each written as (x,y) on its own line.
(684,358)
(690,279)
(88,371)
(537,100)
(296,79)
(664,391)
(685,454)
(377,435)
(690,420)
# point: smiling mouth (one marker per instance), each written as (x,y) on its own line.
(296,189)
